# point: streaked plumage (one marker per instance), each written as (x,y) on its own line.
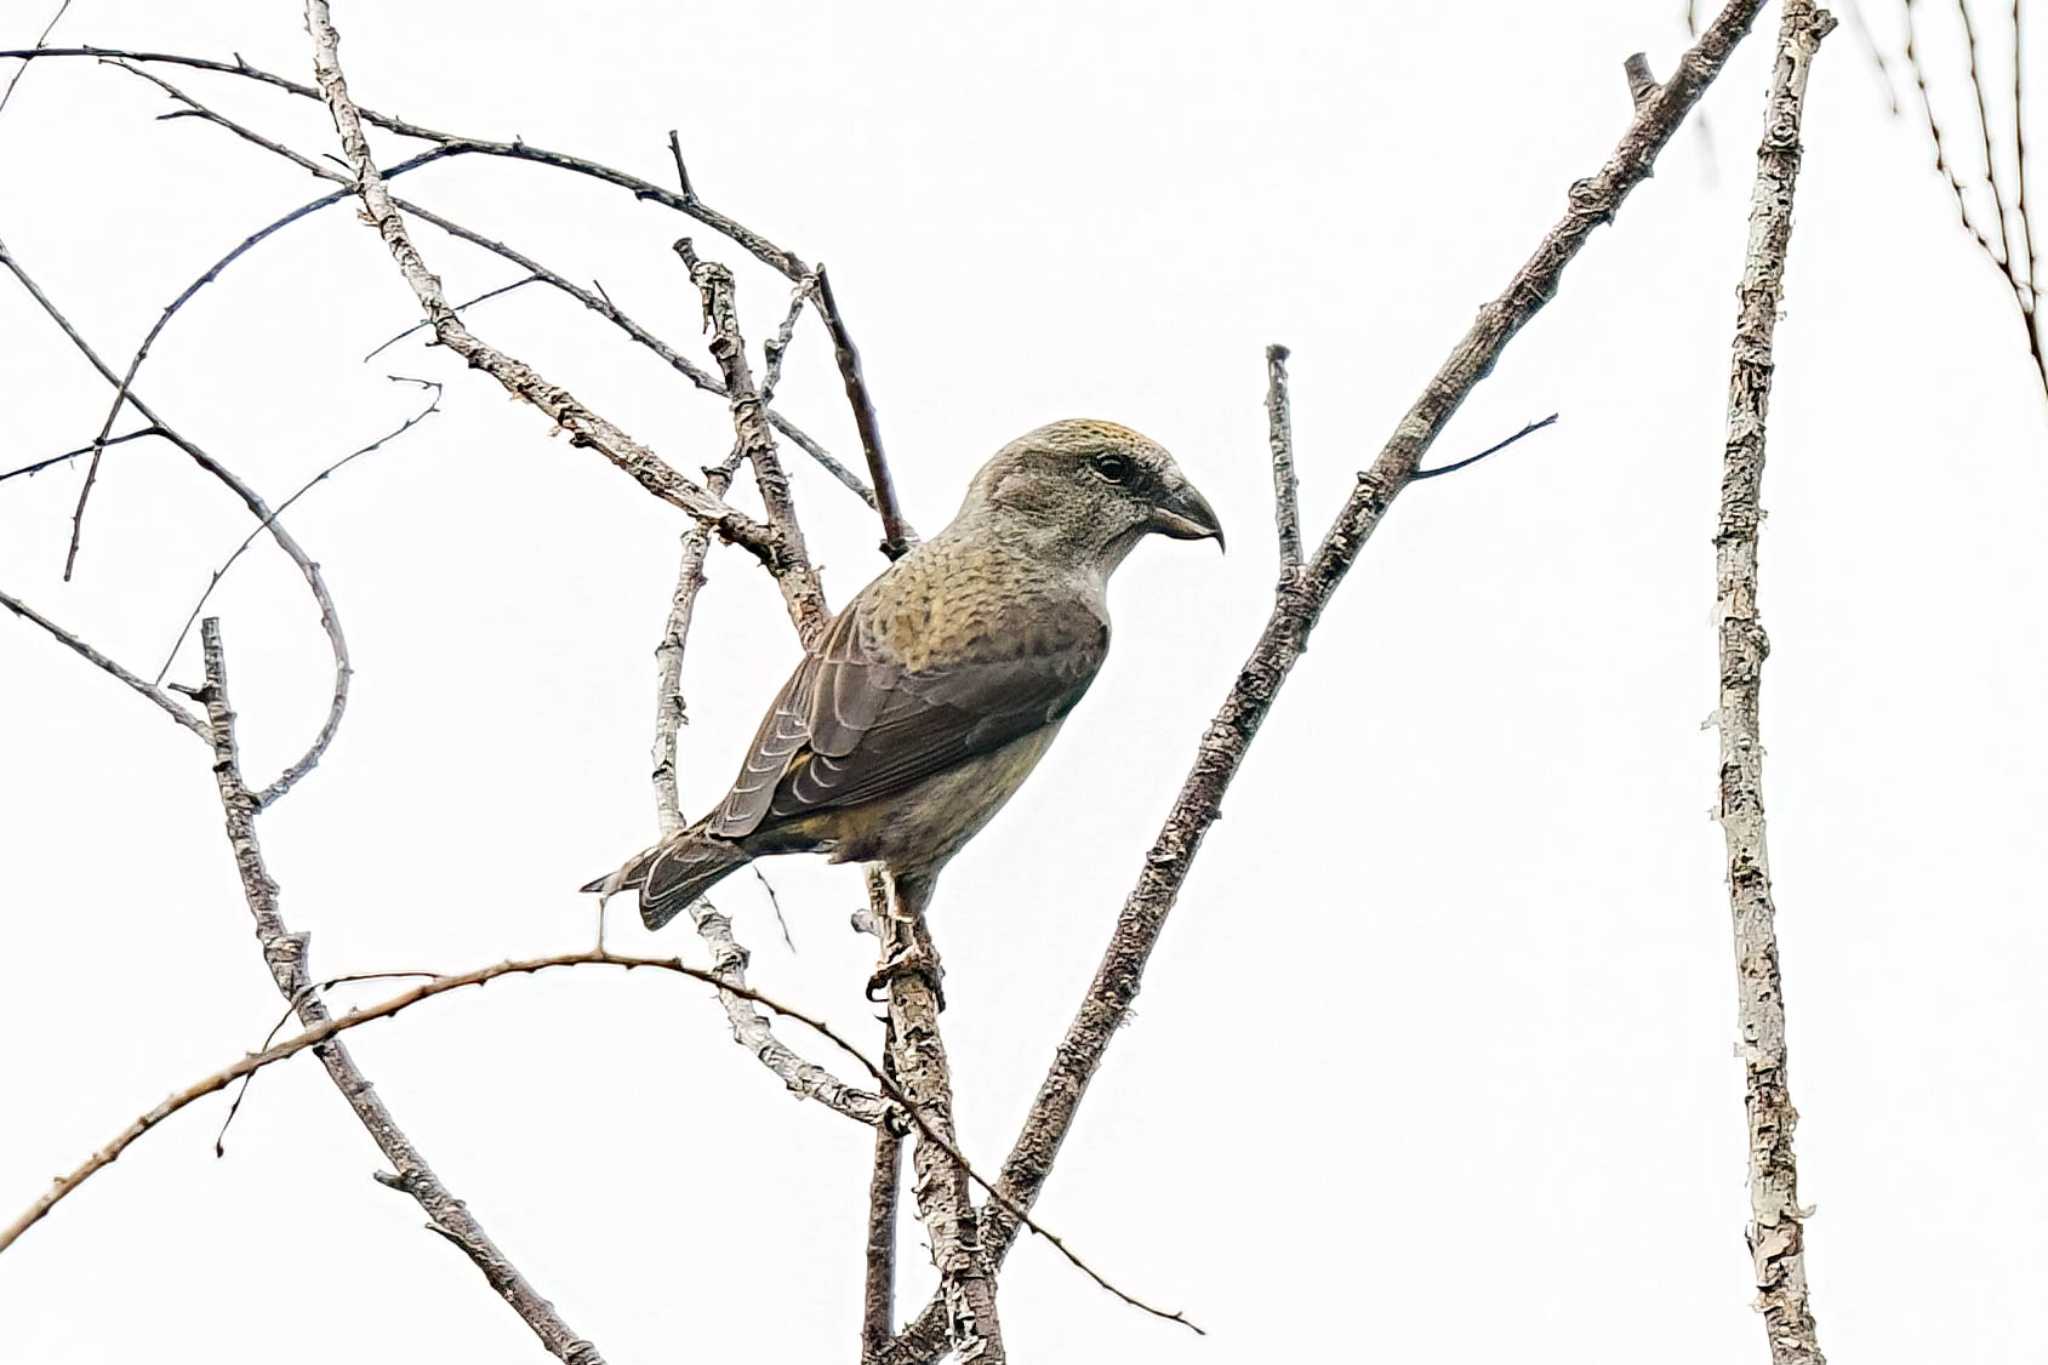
(934,693)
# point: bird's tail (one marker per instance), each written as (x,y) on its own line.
(673,874)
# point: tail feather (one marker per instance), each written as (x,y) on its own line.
(672,875)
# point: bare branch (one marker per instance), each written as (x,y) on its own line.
(1642,84)
(801,592)
(484,297)
(585,427)
(22,70)
(1589,204)
(1280,438)
(321,1038)
(945,1200)
(1493,449)
(433,406)
(878,1296)
(287,954)
(1775,1234)
(100,661)
(897,537)
(31,470)
(449,146)
(316,582)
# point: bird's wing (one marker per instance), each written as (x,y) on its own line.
(854,724)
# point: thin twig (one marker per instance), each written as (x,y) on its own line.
(291,1012)
(321,1037)
(897,538)
(1589,204)
(100,661)
(22,70)
(316,582)
(433,406)
(484,297)
(1776,1234)
(450,146)
(1493,449)
(31,470)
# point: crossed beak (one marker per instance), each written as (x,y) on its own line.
(1185,514)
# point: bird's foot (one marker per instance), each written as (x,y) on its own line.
(910,960)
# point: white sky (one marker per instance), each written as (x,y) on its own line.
(1435,1057)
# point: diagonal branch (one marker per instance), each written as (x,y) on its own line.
(286,953)
(585,427)
(1589,204)
(148,690)
(897,537)
(1776,1233)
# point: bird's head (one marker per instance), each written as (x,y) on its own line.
(1090,489)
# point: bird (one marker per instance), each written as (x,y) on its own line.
(928,700)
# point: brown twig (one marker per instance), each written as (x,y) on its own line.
(321,1038)
(1589,204)
(897,538)
(1775,1234)
(316,582)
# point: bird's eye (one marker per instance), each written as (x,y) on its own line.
(1114,468)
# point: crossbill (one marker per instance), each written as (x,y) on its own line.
(930,698)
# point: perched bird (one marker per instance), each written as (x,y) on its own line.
(933,694)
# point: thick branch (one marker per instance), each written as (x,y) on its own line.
(1589,204)
(1775,1234)
(945,1201)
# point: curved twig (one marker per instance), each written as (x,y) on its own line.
(316,582)
(433,406)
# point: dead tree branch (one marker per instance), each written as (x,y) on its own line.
(1589,204)
(153,693)
(801,592)
(1775,1234)
(316,582)
(287,954)
(897,537)
(585,427)
(945,1200)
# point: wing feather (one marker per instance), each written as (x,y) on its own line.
(854,725)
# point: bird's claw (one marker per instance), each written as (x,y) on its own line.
(908,961)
